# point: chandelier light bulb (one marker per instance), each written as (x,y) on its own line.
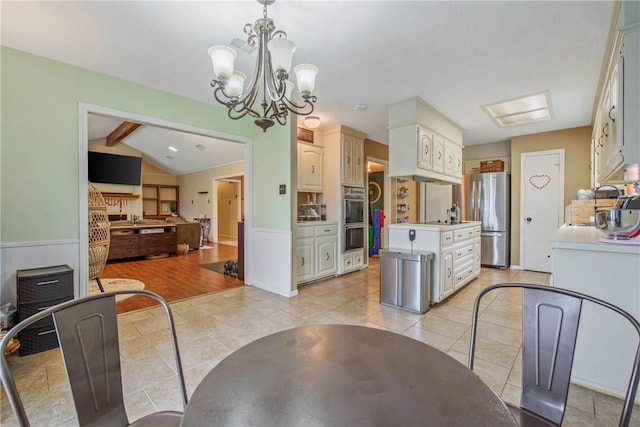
(281,50)
(306,76)
(235,85)
(222,58)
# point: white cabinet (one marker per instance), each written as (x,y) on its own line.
(351,261)
(316,251)
(425,149)
(417,128)
(352,164)
(438,154)
(310,166)
(456,252)
(304,257)
(616,131)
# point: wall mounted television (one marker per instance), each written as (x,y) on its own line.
(114,169)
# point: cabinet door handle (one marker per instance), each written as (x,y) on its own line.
(327,256)
(302,260)
(439,155)
(613,119)
(448,272)
(47,282)
(348,159)
(604,130)
(313,168)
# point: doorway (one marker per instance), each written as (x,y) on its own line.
(542,206)
(378,203)
(227,209)
(84,111)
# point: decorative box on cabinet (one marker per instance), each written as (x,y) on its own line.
(39,289)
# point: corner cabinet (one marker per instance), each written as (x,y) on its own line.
(316,251)
(310,167)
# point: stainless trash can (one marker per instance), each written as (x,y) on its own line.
(405,279)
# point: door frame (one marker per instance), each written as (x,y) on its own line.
(84,109)
(213,230)
(523,181)
(385,194)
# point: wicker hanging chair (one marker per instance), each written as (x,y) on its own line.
(99,236)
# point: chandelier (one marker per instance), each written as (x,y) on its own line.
(269,97)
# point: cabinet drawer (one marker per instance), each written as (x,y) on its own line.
(152,244)
(446,238)
(28,310)
(326,230)
(306,232)
(116,252)
(477,231)
(43,288)
(123,240)
(463,271)
(463,251)
(33,340)
(463,233)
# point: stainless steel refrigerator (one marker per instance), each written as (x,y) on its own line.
(485,197)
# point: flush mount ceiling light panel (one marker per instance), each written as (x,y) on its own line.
(269,95)
(312,121)
(527,109)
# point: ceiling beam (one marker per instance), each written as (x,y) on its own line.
(121,132)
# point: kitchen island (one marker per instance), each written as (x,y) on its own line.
(610,271)
(456,249)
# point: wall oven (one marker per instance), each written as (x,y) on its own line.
(353,217)
(353,237)
(353,205)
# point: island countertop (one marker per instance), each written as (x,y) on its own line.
(588,238)
(434,225)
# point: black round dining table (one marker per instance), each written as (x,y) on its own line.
(342,375)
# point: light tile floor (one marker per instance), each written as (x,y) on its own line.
(212,326)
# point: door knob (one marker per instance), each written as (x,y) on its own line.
(528,219)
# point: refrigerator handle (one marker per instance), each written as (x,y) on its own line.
(473,201)
(478,198)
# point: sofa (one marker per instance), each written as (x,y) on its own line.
(188,232)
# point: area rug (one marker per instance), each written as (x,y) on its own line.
(115,285)
(218,267)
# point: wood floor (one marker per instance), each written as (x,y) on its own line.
(176,277)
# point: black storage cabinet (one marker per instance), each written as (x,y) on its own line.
(39,289)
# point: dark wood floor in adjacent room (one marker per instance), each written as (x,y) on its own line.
(176,277)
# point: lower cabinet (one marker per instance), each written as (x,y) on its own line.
(316,251)
(353,260)
(456,252)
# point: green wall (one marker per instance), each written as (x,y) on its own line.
(39,143)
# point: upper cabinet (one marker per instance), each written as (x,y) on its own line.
(310,167)
(351,164)
(616,129)
(423,143)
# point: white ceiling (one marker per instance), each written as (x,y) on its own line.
(456,55)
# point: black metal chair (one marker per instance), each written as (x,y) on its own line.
(87,331)
(550,318)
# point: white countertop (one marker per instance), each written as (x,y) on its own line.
(588,238)
(435,226)
(310,223)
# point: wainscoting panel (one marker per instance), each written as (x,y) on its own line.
(269,266)
(18,256)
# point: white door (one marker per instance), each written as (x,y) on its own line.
(542,200)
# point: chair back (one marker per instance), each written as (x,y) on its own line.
(87,331)
(550,319)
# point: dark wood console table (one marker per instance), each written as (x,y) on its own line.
(142,240)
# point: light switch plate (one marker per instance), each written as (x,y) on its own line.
(283,188)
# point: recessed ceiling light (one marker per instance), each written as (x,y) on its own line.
(173,149)
(360,107)
(518,111)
